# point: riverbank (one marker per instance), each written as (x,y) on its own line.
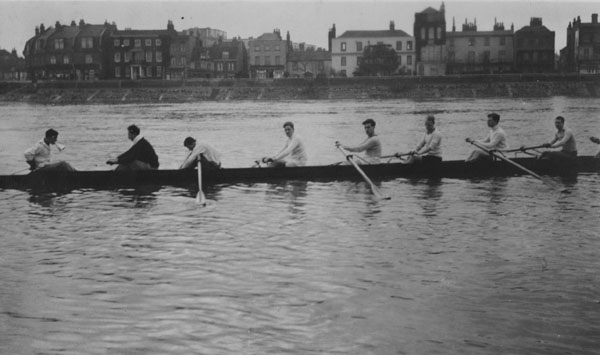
(157,91)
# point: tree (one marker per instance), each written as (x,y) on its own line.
(378,59)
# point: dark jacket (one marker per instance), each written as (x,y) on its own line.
(141,151)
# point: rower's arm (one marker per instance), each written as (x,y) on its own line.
(559,143)
(287,149)
(368,143)
(434,143)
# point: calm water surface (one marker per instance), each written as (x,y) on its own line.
(492,266)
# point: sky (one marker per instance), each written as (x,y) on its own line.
(307,20)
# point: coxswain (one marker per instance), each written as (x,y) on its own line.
(563,139)
(209,157)
(429,149)
(371,145)
(293,152)
(38,156)
(495,141)
(141,155)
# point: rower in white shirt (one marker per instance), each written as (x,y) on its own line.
(292,154)
(209,157)
(496,140)
(429,149)
(38,156)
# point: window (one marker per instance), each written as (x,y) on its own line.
(117,72)
(471,41)
(257,48)
(159,57)
(148,56)
(53,60)
(277,48)
(127,57)
(117,43)
(128,72)
(173,61)
(501,55)
(183,61)
(359,46)
(219,66)
(486,56)
(148,43)
(87,42)
(277,60)
(66,59)
(267,60)
(295,66)
(257,60)
(159,72)
(439,33)
(149,72)
(138,43)
(125,42)
(343,61)
(409,45)
(267,48)
(422,32)
(88,59)
(117,57)
(486,41)
(409,59)
(157,42)
(225,55)
(430,33)
(59,43)
(502,40)
(399,60)
(471,57)
(398,45)
(343,46)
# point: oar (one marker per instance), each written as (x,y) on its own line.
(200,199)
(522,149)
(374,188)
(397,155)
(501,157)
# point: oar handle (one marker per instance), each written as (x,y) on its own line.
(503,158)
(523,148)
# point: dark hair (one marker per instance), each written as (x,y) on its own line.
(188,141)
(51,133)
(494,116)
(430,118)
(133,129)
(561,118)
(288,123)
(369,121)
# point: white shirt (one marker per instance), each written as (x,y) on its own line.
(431,144)
(40,154)
(295,149)
(496,140)
(206,150)
(372,148)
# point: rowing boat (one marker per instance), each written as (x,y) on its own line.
(448,169)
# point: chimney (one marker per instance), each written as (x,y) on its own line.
(594,18)
(37,30)
(42,28)
(392,26)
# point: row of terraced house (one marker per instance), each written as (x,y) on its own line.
(82,51)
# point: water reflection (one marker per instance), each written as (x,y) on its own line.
(292,192)
(430,195)
(139,197)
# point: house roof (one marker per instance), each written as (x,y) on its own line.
(533,29)
(383,33)
(306,56)
(140,33)
(429,10)
(269,37)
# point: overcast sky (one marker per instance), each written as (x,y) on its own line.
(307,21)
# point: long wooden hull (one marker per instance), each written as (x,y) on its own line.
(448,169)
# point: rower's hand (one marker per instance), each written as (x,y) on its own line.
(337,144)
(412,152)
(267,160)
(31,165)
(595,140)
(111,161)
(469,140)
(546,145)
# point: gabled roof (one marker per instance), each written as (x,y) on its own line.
(383,33)
(269,37)
(429,10)
(93,30)
(533,29)
(66,32)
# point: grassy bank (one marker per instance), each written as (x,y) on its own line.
(157,91)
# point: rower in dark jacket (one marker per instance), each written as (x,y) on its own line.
(140,156)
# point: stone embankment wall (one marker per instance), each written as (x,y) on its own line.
(142,91)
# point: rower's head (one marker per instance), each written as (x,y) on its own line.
(288,127)
(559,122)
(430,123)
(493,119)
(132,132)
(189,143)
(369,125)
(51,136)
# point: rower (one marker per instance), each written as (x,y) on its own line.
(564,138)
(209,157)
(140,156)
(293,152)
(371,146)
(597,141)
(496,140)
(38,156)
(429,149)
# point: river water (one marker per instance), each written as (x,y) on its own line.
(490,266)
